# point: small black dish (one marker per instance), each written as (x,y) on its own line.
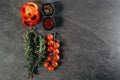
(48,23)
(48,9)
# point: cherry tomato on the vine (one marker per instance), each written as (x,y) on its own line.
(46,64)
(49,37)
(50,49)
(50,43)
(56,57)
(50,68)
(54,64)
(56,45)
(49,58)
(56,51)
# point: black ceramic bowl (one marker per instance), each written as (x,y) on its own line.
(48,23)
(48,9)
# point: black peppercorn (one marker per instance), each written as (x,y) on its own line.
(48,9)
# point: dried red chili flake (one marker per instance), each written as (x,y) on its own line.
(48,23)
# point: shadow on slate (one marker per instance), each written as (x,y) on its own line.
(58,7)
(58,18)
(58,21)
(61,49)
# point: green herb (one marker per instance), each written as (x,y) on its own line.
(35,51)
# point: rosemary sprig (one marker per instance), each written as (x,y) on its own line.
(35,51)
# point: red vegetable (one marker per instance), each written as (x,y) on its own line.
(56,45)
(30,14)
(56,51)
(50,49)
(50,68)
(46,64)
(49,37)
(50,43)
(56,57)
(54,64)
(49,58)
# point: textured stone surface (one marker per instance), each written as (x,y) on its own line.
(90,31)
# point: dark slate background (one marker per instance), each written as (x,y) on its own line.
(89,30)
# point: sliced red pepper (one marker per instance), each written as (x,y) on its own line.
(30,14)
(33,5)
(27,23)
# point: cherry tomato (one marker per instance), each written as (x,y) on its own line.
(50,68)
(46,64)
(54,64)
(56,45)
(50,43)
(56,57)
(56,51)
(50,49)
(49,37)
(49,58)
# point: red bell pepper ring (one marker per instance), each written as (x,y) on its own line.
(30,14)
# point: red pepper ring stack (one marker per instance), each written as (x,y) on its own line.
(30,14)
